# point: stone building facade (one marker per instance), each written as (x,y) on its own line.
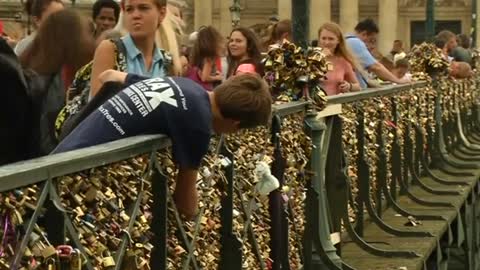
(397,19)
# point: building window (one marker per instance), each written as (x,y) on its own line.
(417,29)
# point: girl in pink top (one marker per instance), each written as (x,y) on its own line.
(341,78)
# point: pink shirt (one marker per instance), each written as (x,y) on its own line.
(342,71)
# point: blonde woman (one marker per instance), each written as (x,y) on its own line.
(166,36)
(341,78)
(167,39)
(148,36)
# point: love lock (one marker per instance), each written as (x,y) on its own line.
(107,260)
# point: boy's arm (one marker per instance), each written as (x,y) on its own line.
(185,195)
(383,73)
(112,75)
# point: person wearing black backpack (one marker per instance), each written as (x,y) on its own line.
(54,56)
(15,113)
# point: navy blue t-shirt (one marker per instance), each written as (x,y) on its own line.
(174,106)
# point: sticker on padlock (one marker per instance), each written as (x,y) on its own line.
(225,162)
(206,172)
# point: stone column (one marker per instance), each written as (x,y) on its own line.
(225,18)
(478,23)
(349,15)
(387,23)
(320,13)
(203,13)
(284,9)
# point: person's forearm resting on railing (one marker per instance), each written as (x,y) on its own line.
(383,73)
(186,197)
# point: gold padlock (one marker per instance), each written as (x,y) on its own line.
(76,261)
(101,248)
(129,260)
(51,264)
(107,259)
(4,265)
(48,251)
(28,252)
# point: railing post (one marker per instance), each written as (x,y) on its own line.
(435,154)
(317,130)
(362,170)
(381,164)
(395,156)
(231,252)
(55,222)
(278,217)
(333,172)
(160,215)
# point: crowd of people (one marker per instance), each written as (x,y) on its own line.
(119,74)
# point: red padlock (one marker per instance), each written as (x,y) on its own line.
(64,251)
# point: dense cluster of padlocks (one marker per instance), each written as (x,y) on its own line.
(412,107)
(100,203)
(17,206)
(415,115)
(110,207)
(293,73)
(297,148)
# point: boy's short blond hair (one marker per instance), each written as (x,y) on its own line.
(460,70)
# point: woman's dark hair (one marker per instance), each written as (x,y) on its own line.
(99,4)
(253,52)
(55,46)
(278,30)
(206,45)
(367,25)
(439,43)
(37,7)
(464,41)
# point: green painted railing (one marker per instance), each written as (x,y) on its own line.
(361,162)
